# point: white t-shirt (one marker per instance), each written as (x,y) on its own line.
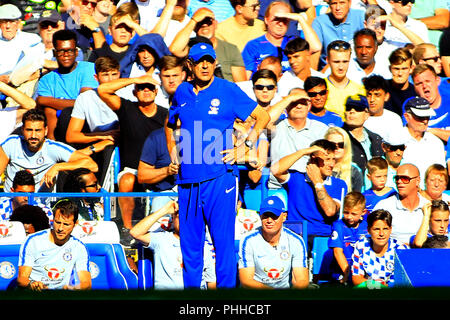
(289,81)
(396,37)
(52,264)
(387,124)
(89,107)
(15,49)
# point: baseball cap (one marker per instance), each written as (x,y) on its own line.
(272,204)
(199,50)
(419,106)
(50,15)
(357,102)
(397,138)
(9,12)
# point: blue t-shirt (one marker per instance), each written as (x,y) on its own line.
(68,85)
(155,153)
(303,204)
(328,31)
(207,120)
(343,236)
(372,199)
(331,119)
(258,49)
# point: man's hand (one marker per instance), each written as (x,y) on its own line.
(313,172)
(37,286)
(172,169)
(201,14)
(88,21)
(146,79)
(50,176)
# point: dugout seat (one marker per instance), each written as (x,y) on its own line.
(322,257)
(109,266)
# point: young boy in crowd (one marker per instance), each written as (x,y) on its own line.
(377,170)
(345,233)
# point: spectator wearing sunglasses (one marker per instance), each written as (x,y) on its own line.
(79,19)
(365,143)
(345,168)
(400,18)
(137,119)
(393,147)
(406,205)
(381,121)
(427,53)
(422,147)
(302,65)
(316,88)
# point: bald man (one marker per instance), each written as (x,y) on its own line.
(405,206)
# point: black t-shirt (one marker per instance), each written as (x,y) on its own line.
(105,51)
(397,97)
(444,43)
(134,130)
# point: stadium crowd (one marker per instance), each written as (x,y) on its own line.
(345,103)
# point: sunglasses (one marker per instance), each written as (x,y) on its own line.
(47,24)
(339,145)
(405,2)
(356,108)
(208,21)
(143,86)
(338,45)
(403,179)
(395,148)
(262,87)
(315,94)
(63,52)
(254,6)
(435,59)
(94,185)
(86,3)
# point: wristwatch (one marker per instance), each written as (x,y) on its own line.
(318,185)
(97,29)
(249,144)
(92,148)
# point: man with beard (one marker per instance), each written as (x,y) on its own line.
(43,157)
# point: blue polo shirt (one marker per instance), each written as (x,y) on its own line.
(303,204)
(206,126)
(372,199)
(258,49)
(328,30)
(331,119)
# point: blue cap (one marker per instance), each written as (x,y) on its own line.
(272,204)
(358,102)
(199,50)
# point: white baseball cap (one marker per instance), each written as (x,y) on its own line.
(9,12)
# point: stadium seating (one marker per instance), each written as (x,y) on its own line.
(322,258)
(109,266)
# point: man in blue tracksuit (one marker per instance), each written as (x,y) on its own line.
(204,110)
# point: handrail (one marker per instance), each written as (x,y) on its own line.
(108,195)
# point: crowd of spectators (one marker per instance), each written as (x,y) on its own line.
(357,92)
